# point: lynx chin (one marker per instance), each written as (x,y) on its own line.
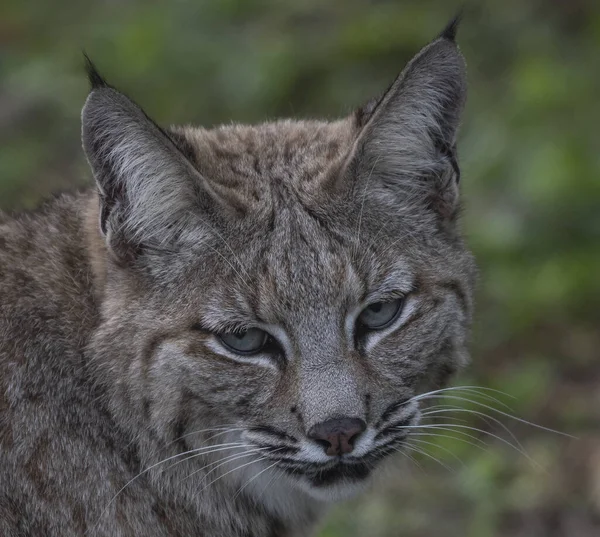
(232,329)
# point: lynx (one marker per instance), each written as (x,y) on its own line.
(233,328)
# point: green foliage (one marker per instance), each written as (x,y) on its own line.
(531,188)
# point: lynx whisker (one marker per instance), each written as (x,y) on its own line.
(483,415)
(462,433)
(362,206)
(146,470)
(221,462)
(481,445)
(204,453)
(230,471)
(278,472)
(429,455)
(371,242)
(432,415)
(481,391)
(239,491)
(224,430)
(457,398)
(244,282)
(235,256)
(406,235)
(446,450)
(413,460)
(466,387)
(448,426)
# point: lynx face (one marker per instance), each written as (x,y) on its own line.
(289,286)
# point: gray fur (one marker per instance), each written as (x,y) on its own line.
(110,369)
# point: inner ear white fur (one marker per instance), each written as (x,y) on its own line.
(138,169)
(150,191)
(412,131)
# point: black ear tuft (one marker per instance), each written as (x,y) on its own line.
(449,32)
(96,80)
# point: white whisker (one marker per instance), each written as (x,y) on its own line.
(278,472)
(448,426)
(362,206)
(477,413)
(252,479)
(223,429)
(454,397)
(222,462)
(204,453)
(233,444)
(230,471)
(463,388)
(481,445)
(423,452)
(438,447)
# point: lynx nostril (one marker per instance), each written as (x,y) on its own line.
(337,436)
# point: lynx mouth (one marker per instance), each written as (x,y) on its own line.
(341,472)
(320,475)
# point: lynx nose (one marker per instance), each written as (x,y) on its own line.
(337,436)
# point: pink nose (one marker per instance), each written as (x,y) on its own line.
(337,436)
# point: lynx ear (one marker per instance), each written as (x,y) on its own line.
(148,189)
(407,138)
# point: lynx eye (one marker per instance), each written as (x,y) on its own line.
(249,341)
(379,315)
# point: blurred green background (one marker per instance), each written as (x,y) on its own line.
(530,152)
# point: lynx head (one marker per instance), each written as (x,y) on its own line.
(294,284)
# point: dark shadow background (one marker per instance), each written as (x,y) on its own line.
(530,153)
